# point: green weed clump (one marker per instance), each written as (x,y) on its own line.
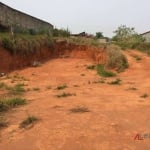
(16,90)
(30,120)
(6,104)
(104,73)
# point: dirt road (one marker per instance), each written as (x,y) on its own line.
(117,114)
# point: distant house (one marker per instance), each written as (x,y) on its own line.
(103,40)
(82,34)
(146,36)
(12,19)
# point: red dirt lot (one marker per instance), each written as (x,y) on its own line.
(117,114)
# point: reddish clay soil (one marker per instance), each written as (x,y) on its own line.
(117,113)
(9,62)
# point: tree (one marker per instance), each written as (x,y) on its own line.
(99,35)
(127,37)
(123,33)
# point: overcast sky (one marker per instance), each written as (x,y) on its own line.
(88,15)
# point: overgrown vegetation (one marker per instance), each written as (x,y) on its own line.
(17,89)
(104,73)
(116,59)
(128,38)
(24,44)
(61,32)
(30,120)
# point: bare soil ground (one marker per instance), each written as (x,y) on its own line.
(116,113)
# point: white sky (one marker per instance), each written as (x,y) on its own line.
(88,15)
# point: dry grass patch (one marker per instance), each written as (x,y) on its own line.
(79,109)
(29,121)
(116,59)
(61,87)
(64,94)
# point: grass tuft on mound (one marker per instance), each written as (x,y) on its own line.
(104,73)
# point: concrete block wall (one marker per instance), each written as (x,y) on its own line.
(10,17)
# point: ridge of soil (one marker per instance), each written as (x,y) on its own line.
(10,62)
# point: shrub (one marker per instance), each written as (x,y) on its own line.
(104,73)
(127,37)
(116,59)
(7,43)
(61,32)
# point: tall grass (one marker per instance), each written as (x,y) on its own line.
(116,59)
(24,44)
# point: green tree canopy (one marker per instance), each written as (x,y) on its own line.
(99,35)
(127,37)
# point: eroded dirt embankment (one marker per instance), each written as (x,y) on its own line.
(9,62)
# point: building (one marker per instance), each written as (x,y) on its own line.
(82,34)
(146,36)
(14,20)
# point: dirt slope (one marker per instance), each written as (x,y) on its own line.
(10,62)
(117,112)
